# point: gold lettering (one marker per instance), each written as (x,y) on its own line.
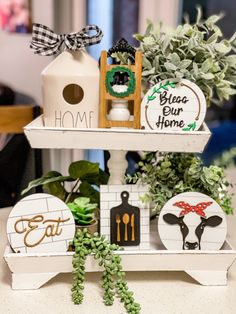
(51,230)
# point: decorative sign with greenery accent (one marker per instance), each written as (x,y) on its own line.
(173,105)
(192,221)
(120,82)
(40,223)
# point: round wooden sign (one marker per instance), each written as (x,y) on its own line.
(192,221)
(172,105)
(40,223)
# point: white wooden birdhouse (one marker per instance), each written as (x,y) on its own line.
(71,91)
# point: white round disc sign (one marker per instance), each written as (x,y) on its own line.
(40,223)
(192,221)
(174,106)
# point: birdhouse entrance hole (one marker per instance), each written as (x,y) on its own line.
(73,94)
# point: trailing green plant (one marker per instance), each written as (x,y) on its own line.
(84,175)
(83,211)
(174,173)
(113,281)
(195,52)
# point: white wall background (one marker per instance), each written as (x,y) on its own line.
(19,67)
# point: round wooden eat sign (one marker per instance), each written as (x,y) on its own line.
(192,221)
(172,105)
(40,223)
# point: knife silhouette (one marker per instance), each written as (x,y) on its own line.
(132,227)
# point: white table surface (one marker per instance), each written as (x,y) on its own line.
(157,292)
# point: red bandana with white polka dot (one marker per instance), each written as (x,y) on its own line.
(187,208)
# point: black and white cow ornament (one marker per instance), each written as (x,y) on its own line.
(192,221)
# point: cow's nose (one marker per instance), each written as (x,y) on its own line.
(191,245)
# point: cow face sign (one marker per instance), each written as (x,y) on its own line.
(192,221)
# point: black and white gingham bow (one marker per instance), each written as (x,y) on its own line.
(46,43)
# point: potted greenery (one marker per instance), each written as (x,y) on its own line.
(195,52)
(173,173)
(84,176)
(84,214)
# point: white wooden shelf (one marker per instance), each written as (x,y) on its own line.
(31,271)
(40,136)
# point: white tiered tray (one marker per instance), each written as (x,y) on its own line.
(40,136)
(31,271)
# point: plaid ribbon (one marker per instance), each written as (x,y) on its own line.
(187,208)
(46,43)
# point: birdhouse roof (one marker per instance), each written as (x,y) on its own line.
(68,63)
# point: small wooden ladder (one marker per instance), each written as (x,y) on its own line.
(134,98)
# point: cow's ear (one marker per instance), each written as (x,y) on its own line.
(213,221)
(171,219)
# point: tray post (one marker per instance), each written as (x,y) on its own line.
(117,165)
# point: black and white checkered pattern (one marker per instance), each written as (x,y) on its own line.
(46,43)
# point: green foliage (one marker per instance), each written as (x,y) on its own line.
(113,281)
(190,127)
(83,173)
(176,173)
(157,90)
(123,57)
(195,52)
(83,211)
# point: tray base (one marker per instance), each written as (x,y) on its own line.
(31,271)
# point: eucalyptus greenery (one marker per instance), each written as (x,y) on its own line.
(113,277)
(175,173)
(195,52)
(84,175)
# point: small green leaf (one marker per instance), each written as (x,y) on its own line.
(207,76)
(151,97)
(146,63)
(222,48)
(185,64)
(174,58)
(169,66)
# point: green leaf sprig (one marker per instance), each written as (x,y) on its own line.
(176,173)
(158,90)
(113,281)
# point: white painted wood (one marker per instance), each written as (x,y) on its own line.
(199,264)
(173,105)
(110,196)
(40,223)
(157,258)
(209,278)
(40,136)
(193,207)
(117,165)
(77,68)
(30,281)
